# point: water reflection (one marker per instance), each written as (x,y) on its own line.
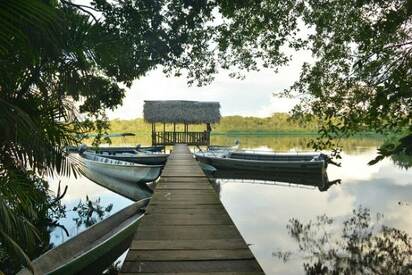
(300,180)
(91,212)
(263,222)
(361,245)
(77,191)
(261,212)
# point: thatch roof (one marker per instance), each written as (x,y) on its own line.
(180,111)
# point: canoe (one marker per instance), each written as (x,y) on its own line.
(127,189)
(223,147)
(159,148)
(321,180)
(119,170)
(302,162)
(92,250)
(149,158)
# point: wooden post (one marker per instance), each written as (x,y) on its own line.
(185,134)
(164,133)
(153,134)
(208,130)
(174,132)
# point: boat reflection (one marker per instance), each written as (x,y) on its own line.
(134,191)
(321,180)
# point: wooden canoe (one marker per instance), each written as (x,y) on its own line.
(310,163)
(92,250)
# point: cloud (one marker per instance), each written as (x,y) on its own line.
(249,97)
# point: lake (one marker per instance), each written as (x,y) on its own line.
(262,209)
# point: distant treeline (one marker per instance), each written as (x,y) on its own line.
(277,123)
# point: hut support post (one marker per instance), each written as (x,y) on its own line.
(186,132)
(153,134)
(164,133)
(174,132)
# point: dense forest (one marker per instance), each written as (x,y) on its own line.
(277,123)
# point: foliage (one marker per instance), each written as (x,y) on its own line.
(361,75)
(28,213)
(60,62)
(362,247)
(362,51)
(278,122)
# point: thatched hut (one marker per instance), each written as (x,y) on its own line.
(181,112)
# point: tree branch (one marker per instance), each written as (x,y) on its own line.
(82,8)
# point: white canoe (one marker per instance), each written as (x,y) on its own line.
(130,190)
(119,170)
(148,158)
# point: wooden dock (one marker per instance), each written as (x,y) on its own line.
(186,228)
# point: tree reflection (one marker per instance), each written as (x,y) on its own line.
(363,246)
(41,211)
(90,212)
(402,160)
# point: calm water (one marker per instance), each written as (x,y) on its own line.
(262,211)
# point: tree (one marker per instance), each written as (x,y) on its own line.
(60,60)
(361,76)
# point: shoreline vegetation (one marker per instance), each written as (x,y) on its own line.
(277,125)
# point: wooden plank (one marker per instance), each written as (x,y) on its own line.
(188,244)
(185,206)
(191,266)
(184,179)
(182,174)
(175,197)
(199,273)
(186,229)
(183,187)
(187,219)
(188,171)
(191,211)
(188,255)
(186,232)
(184,192)
(186,203)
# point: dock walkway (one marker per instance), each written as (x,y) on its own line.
(186,228)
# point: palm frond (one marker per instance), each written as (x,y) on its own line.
(18,18)
(18,251)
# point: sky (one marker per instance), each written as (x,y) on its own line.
(252,96)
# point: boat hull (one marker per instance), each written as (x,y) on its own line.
(152,159)
(131,190)
(256,165)
(91,251)
(119,170)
